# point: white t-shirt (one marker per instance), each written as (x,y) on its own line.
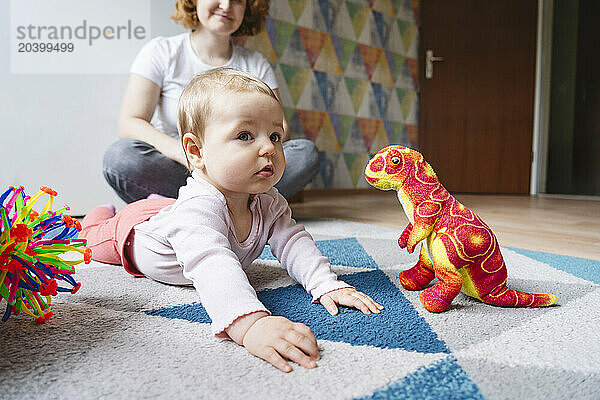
(171,63)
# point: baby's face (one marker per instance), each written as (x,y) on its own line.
(242,150)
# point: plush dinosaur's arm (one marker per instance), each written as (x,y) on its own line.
(418,233)
(425,216)
(403,239)
(411,237)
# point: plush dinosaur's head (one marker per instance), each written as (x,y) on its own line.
(389,168)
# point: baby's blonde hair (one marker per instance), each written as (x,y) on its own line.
(194,108)
(253,23)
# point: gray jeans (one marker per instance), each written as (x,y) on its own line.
(135,169)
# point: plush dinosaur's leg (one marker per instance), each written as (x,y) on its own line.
(438,297)
(420,275)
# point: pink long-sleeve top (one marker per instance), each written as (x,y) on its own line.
(197,232)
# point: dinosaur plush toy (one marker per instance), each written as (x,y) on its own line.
(460,249)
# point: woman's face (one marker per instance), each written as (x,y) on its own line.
(222,17)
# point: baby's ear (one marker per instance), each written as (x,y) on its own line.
(193,150)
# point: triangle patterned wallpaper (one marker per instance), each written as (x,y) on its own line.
(347,74)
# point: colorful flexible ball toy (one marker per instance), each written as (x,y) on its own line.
(38,253)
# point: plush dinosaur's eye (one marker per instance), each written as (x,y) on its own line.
(395,160)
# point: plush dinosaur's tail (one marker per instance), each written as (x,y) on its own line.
(505,297)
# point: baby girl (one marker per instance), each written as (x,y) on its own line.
(231,125)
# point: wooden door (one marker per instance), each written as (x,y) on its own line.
(476,112)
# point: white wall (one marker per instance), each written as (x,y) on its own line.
(54,127)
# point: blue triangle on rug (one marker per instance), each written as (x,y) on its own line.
(399,326)
(445,380)
(347,252)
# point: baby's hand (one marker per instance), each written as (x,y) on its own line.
(349,297)
(275,338)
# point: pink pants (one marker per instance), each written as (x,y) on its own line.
(107,233)
(99,227)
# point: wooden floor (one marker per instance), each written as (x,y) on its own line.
(554,225)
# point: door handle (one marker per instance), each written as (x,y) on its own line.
(429,60)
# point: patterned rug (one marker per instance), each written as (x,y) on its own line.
(125,337)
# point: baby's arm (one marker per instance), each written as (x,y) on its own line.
(204,251)
(298,253)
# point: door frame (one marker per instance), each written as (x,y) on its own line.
(541,110)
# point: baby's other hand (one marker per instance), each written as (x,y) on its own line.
(275,339)
(349,297)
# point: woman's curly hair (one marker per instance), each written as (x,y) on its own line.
(253,23)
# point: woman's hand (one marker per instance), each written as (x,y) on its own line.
(275,339)
(349,297)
